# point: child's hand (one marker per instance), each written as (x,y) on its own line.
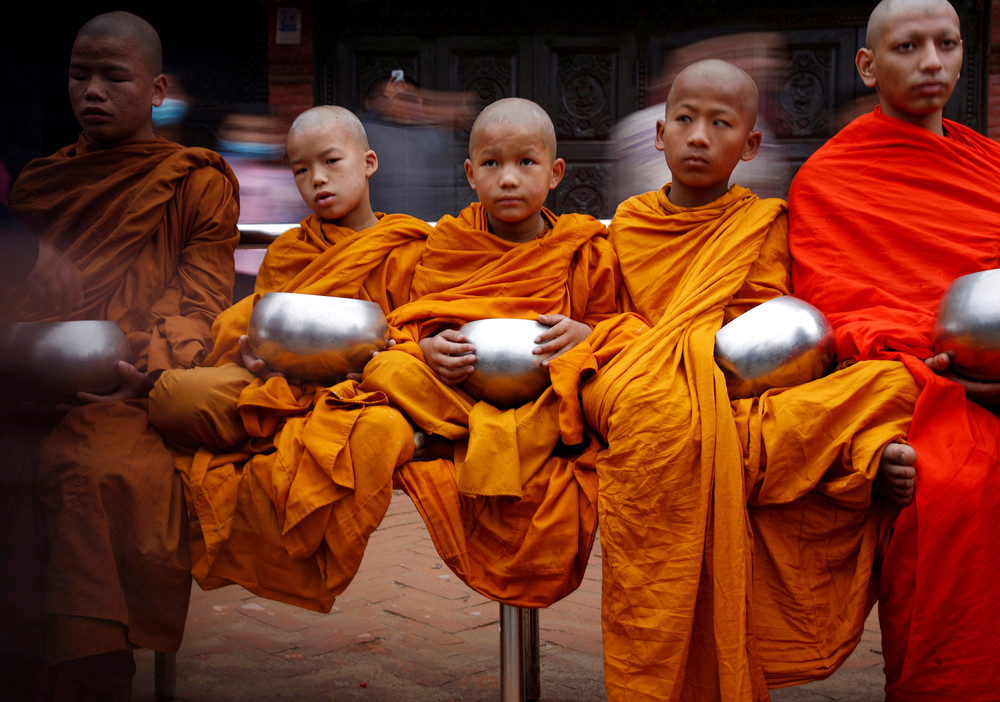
(977,391)
(562,335)
(254,363)
(135,383)
(449,355)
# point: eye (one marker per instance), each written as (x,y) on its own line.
(490,163)
(299,171)
(684,118)
(721,123)
(527,162)
(332,160)
(905,46)
(949,43)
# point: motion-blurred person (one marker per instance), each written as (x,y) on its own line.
(170,116)
(413,128)
(639,167)
(252,139)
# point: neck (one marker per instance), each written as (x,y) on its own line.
(685,196)
(933,122)
(518,232)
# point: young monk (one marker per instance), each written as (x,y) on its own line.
(681,577)
(512,508)
(914,208)
(150,227)
(228,424)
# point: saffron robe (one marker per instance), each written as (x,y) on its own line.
(883,218)
(278,506)
(682,461)
(151,229)
(514,515)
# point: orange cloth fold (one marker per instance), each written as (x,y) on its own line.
(682,582)
(151,228)
(286,512)
(884,217)
(515,521)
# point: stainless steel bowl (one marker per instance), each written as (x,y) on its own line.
(967,325)
(52,361)
(314,337)
(779,343)
(507,373)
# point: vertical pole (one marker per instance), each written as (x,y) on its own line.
(511,640)
(165,675)
(530,654)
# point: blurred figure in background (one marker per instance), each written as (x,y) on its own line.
(252,140)
(412,128)
(170,116)
(639,167)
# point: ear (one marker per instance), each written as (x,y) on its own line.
(865,61)
(159,89)
(558,171)
(371,163)
(751,147)
(468,174)
(661,143)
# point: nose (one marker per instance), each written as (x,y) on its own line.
(508,176)
(930,58)
(319,177)
(698,134)
(94,90)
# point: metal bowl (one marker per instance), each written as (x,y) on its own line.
(52,361)
(967,325)
(779,343)
(507,373)
(314,337)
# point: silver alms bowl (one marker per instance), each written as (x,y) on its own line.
(314,337)
(507,373)
(967,325)
(52,361)
(779,343)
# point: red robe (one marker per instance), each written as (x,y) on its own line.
(882,219)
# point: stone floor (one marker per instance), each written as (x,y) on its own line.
(407,630)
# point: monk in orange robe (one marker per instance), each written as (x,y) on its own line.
(914,207)
(151,229)
(239,429)
(512,507)
(680,571)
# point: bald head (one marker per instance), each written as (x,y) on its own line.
(519,112)
(726,77)
(332,115)
(886,11)
(125,25)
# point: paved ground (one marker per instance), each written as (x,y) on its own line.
(408,630)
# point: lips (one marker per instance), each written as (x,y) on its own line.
(94,112)
(324,198)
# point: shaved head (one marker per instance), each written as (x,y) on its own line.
(723,74)
(128,26)
(517,111)
(881,17)
(325,115)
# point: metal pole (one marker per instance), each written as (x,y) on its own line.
(511,677)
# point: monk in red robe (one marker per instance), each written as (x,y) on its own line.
(250,443)
(151,228)
(691,609)
(512,507)
(883,218)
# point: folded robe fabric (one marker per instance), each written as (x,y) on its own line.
(883,218)
(529,548)
(682,461)
(285,514)
(151,228)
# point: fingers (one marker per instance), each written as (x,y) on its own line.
(900,454)
(938,363)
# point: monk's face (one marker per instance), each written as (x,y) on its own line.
(112,89)
(512,171)
(331,172)
(706,131)
(915,63)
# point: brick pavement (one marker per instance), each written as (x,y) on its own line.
(406,629)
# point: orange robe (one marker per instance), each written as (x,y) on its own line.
(151,228)
(284,513)
(912,211)
(682,461)
(514,515)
